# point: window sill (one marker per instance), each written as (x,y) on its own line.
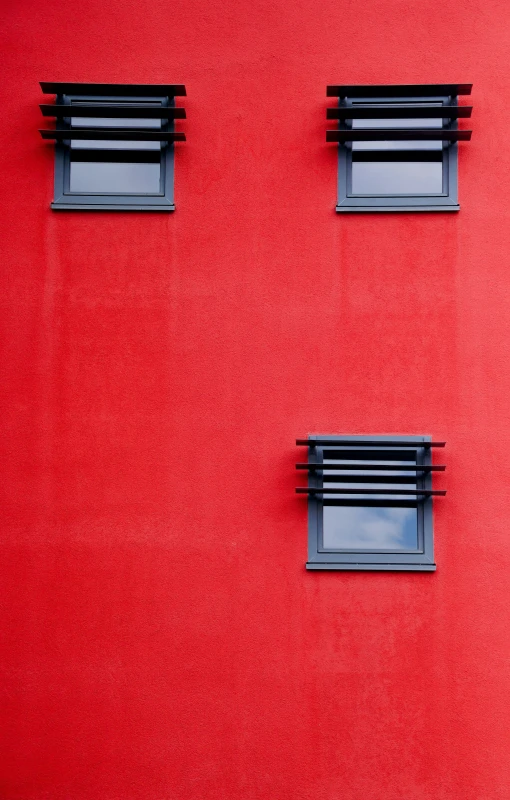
(379,567)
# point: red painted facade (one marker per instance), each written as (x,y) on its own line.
(163,640)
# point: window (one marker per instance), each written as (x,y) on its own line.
(397,146)
(370,502)
(114,145)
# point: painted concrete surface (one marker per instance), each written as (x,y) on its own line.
(163,640)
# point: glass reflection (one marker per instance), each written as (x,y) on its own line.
(398,177)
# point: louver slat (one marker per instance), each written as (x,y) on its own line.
(322,490)
(112,111)
(116,89)
(365,443)
(342,465)
(398,112)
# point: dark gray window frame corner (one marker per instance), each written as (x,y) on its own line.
(96,96)
(351,96)
(419,559)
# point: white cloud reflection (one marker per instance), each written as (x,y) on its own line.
(369,528)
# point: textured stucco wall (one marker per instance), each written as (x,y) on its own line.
(163,640)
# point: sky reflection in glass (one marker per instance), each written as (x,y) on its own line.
(397,177)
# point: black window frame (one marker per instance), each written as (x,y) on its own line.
(448,199)
(319,558)
(143,95)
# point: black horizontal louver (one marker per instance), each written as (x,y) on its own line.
(369,472)
(398,102)
(154,104)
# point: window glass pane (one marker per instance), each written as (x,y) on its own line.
(116,178)
(397,177)
(365,527)
(114,122)
(352,527)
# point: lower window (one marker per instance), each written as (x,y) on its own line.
(370,502)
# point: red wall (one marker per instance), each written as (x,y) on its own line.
(163,639)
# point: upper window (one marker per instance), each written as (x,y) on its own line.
(397,146)
(370,502)
(114,145)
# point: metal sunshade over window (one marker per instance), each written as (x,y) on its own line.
(398,146)
(370,502)
(114,144)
